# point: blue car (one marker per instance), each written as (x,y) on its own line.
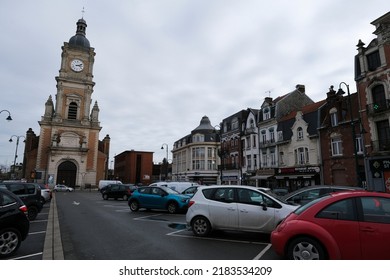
(158,197)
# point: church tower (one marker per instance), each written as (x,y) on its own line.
(68,149)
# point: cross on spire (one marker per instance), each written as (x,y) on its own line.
(82,13)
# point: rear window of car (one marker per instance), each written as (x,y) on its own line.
(17,189)
(31,189)
(6,200)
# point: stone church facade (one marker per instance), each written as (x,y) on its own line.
(68,150)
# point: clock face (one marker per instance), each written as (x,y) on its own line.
(77,65)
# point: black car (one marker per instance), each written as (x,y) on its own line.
(29,193)
(116,191)
(14,224)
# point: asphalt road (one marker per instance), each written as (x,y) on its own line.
(95,229)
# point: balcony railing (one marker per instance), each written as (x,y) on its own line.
(250,130)
(377,108)
(381,145)
(267,143)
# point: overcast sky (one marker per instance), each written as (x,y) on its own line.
(161,65)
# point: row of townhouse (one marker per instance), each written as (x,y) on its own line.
(292,141)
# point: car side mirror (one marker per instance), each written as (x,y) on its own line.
(264,205)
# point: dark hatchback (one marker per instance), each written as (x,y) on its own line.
(14,224)
(116,191)
(29,193)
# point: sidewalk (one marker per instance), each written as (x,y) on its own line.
(52,249)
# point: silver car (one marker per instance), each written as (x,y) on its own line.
(235,207)
(63,188)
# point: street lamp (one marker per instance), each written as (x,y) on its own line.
(9,115)
(217,130)
(341,92)
(166,167)
(16,149)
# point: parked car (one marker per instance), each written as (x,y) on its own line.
(306,194)
(280,191)
(160,197)
(235,207)
(344,225)
(29,193)
(46,193)
(190,190)
(62,188)
(104,183)
(176,186)
(14,223)
(116,191)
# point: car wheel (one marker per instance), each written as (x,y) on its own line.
(105,196)
(305,248)
(125,197)
(32,212)
(172,207)
(134,205)
(10,241)
(43,201)
(200,226)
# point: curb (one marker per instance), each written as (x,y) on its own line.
(52,249)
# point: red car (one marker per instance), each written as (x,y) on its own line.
(345,225)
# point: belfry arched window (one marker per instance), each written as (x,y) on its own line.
(72,111)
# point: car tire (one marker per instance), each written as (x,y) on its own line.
(125,197)
(43,200)
(10,240)
(32,212)
(172,207)
(105,196)
(200,226)
(134,205)
(305,248)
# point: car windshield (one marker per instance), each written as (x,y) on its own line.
(299,210)
(169,190)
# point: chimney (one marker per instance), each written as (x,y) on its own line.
(301,88)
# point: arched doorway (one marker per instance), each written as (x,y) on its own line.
(66,173)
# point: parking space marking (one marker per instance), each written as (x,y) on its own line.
(27,256)
(36,232)
(38,221)
(149,218)
(215,239)
(258,257)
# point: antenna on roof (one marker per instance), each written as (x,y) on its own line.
(269,92)
(82,13)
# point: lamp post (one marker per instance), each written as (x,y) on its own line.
(166,163)
(217,130)
(16,150)
(341,92)
(9,115)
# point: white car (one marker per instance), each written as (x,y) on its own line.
(62,188)
(45,193)
(235,207)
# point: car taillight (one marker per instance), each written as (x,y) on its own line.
(191,203)
(23,208)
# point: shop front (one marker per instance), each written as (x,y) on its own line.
(293,178)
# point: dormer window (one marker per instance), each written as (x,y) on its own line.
(197,138)
(266,114)
(299,133)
